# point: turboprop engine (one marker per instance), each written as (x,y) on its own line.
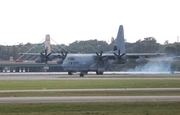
(120,58)
(62,57)
(43,57)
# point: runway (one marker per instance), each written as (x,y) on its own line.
(92,73)
(91,76)
(87,99)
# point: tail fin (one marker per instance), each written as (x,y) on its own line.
(119,42)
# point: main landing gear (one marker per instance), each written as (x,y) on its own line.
(81,75)
(70,73)
(99,72)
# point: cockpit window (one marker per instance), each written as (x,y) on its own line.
(70,58)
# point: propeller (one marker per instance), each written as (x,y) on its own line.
(45,56)
(119,56)
(62,57)
(100,57)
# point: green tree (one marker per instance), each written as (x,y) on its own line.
(170,50)
(148,45)
(14,52)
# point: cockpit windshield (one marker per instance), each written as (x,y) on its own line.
(70,58)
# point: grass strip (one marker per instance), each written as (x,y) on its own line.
(130,76)
(86,84)
(92,93)
(95,108)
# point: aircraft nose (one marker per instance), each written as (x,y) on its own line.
(64,65)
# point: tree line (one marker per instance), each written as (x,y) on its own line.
(147,45)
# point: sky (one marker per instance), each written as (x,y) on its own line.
(29,21)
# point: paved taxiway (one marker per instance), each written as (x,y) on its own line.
(87,99)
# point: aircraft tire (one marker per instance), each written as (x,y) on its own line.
(70,73)
(81,75)
(101,72)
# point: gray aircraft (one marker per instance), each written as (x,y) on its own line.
(97,62)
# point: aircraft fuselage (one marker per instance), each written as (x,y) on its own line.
(82,63)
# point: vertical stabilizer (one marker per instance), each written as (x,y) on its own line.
(119,42)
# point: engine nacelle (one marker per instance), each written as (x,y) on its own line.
(141,60)
(52,57)
(60,61)
(124,57)
(39,60)
(118,62)
(121,61)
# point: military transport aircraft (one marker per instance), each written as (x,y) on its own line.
(98,62)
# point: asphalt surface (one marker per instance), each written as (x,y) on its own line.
(87,99)
(90,76)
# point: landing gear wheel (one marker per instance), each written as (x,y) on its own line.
(70,73)
(81,75)
(99,72)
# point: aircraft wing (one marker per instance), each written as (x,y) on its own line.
(33,54)
(135,55)
(38,54)
(145,55)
